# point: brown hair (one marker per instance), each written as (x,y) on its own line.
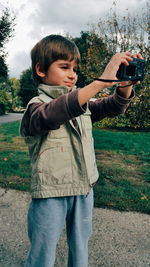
(50,49)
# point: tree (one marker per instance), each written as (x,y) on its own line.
(130,33)
(27,87)
(6,32)
(5,101)
(13,89)
(94,56)
(3,69)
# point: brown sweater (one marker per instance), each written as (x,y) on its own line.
(49,116)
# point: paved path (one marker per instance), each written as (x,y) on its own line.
(10,117)
(120,239)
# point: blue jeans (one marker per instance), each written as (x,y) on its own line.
(46,219)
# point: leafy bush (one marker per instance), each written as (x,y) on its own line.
(2,109)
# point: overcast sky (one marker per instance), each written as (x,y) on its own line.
(38,18)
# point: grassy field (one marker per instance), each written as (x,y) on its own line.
(14,160)
(123,160)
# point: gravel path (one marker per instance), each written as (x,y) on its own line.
(119,239)
(10,117)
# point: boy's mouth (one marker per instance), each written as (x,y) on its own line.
(69,84)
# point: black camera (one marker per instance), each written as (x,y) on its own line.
(135,71)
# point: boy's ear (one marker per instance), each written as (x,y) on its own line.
(38,71)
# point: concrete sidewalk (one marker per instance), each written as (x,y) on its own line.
(119,238)
(10,117)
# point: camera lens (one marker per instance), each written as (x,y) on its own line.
(130,70)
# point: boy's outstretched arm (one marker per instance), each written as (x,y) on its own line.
(110,72)
(49,116)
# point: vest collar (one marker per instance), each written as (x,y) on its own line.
(53,91)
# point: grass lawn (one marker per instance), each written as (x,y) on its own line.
(15,169)
(123,160)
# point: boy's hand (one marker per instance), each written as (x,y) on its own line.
(126,91)
(129,82)
(89,91)
(113,66)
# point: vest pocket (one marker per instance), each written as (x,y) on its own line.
(55,166)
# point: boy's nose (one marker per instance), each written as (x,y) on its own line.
(72,74)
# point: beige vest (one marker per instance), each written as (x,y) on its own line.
(63,161)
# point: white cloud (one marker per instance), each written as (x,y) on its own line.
(19,61)
(71,16)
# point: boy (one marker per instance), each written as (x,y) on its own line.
(57,126)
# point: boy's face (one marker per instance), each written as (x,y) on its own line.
(61,72)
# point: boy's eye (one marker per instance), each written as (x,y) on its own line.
(64,67)
(75,69)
